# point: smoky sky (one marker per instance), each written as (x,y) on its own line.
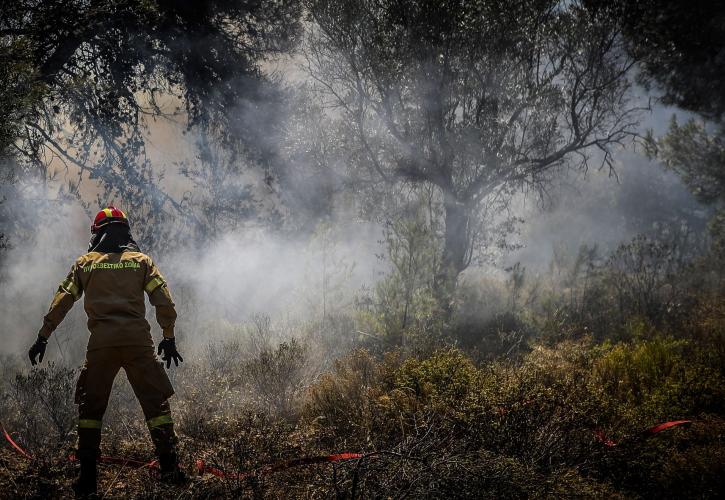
(606,208)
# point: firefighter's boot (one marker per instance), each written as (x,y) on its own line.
(85,485)
(89,440)
(170,471)
(164,439)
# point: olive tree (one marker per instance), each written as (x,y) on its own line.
(478,99)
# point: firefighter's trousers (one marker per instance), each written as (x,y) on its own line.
(149,382)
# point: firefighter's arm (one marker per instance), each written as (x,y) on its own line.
(160,298)
(68,292)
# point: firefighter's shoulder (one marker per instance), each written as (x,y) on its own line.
(94,257)
(138,257)
(85,259)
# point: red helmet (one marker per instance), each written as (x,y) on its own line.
(108,215)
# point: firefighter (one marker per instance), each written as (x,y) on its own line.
(113,277)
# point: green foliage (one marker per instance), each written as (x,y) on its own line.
(446,376)
(537,416)
(697,155)
(21,91)
(489,322)
(660,377)
(639,370)
(83,82)
(339,403)
(649,282)
(679,45)
(403,303)
(441,422)
(277,375)
(717,230)
(642,276)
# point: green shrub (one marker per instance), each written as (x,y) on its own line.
(38,405)
(277,376)
(658,379)
(447,377)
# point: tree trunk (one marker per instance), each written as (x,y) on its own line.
(455,253)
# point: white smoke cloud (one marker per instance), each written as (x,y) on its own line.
(247,273)
(33,268)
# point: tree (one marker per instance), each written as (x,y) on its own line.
(401,303)
(220,197)
(90,76)
(19,91)
(681,50)
(680,47)
(698,157)
(476,98)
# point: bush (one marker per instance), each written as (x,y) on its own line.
(339,406)
(277,376)
(658,379)
(537,416)
(39,406)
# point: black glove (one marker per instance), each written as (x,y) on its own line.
(168,347)
(37,348)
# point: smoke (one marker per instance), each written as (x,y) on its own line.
(298,274)
(238,269)
(246,273)
(241,274)
(607,209)
(55,234)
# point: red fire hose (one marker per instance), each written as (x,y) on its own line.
(201,467)
(602,438)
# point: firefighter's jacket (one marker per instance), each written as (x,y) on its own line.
(113,286)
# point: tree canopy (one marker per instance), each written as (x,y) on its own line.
(85,77)
(681,48)
(477,99)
